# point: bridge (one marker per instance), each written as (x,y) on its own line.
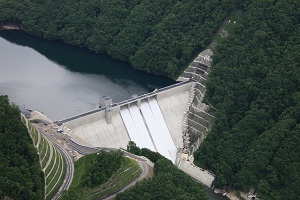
(172,120)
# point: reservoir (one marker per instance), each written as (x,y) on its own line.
(61,80)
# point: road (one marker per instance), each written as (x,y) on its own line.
(58,140)
(144,167)
(69,171)
(68,161)
(70,149)
(142,162)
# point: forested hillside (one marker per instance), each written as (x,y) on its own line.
(93,171)
(168,182)
(21,176)
(255,86)
(160,36)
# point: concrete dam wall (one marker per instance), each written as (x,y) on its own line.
(152,120)
(172,121)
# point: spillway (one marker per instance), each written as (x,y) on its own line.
(158,132)
(148,129)
(141,127)
(130,126)
(163,129)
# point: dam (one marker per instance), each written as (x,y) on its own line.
(152,120)
(172,120)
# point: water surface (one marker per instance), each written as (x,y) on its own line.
(61,80)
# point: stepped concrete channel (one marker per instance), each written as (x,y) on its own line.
(172,120)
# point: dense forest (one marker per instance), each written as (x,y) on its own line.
(254,84)
(102,168)
(21,176)
(160,36)
(255,87)
(168,182)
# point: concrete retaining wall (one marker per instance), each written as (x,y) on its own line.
(197,173)
(84,120)
(100,133)
(174,91)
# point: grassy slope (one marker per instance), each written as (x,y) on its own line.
(128,171)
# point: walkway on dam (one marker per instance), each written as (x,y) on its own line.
(126,102)
(151,120)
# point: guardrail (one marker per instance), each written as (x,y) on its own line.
(126,153)
(78,116)
(150,94)
(122,103)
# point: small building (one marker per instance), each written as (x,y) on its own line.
(25,112)
(104,101)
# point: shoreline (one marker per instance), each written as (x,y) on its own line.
(10,27)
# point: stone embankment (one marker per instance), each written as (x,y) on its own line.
(197,118)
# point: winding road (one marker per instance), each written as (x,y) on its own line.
(69,171)
(68,161)
(64,144)
(141,177)
(142,162)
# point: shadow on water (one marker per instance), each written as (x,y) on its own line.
(84,61)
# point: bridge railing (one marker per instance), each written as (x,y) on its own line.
(80,115)
(128,101)
(150,94)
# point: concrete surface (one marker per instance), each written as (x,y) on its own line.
(94,129)
(197,173)
(173,108)
(99,133)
